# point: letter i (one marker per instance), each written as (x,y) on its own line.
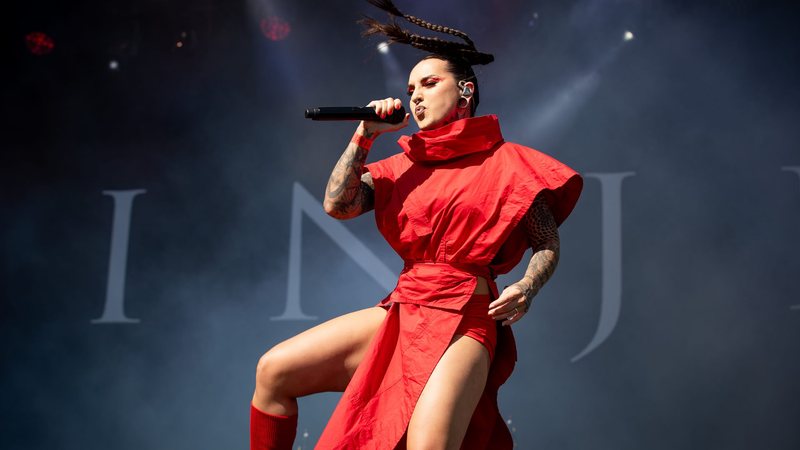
(114,310)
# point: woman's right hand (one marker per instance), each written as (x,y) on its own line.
(384,108)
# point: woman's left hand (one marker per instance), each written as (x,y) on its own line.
(512,303)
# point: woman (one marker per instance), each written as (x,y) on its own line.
(460,205)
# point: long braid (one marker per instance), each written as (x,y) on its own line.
(390,7)
(439,28)
(402,36)
(395,33)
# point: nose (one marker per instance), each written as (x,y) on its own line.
(416,97)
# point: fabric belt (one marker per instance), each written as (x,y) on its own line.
(485,272)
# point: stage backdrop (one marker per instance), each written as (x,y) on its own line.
(162,227)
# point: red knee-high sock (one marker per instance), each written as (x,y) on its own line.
(271,432)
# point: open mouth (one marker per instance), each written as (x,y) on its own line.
(419,111)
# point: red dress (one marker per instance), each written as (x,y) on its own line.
(449,205)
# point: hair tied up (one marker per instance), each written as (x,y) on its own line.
(395,33)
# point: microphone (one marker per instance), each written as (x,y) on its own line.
(353,113)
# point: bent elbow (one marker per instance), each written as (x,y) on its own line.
(327,206)
(335,210)
(331,209)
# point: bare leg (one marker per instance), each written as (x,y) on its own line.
(320,359)
(444,409)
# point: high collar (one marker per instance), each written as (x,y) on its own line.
(458,138)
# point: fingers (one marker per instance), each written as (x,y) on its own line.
(509,307)
(404,123)
(397,126)
(508,311)
(386,106)
(509,293)
(513,319)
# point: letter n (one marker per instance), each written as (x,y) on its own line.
(303,202)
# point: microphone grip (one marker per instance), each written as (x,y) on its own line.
(353,113)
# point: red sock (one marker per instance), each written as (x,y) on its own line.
(270,431)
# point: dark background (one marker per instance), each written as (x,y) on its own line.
(702,106)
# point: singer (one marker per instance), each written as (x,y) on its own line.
(421,370)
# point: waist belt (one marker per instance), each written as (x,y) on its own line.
(472,269)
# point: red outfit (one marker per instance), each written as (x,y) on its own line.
(449,205)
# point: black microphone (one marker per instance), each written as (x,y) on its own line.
(353,113)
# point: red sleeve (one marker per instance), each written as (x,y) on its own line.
(378,169)
(561,187)
(529,173)
(542,174)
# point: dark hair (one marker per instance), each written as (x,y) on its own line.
(460,57)
(462,71)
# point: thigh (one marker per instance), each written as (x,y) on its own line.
(444,409)
(324,358)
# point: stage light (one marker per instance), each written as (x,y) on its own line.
(628,36)
(39,44)
(184,41)
(534,20)
(383,47)
(113,65)
(183,36)
(274,28)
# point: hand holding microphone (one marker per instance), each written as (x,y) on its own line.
(379,115)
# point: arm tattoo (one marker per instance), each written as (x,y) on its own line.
(350,192)
(542,232)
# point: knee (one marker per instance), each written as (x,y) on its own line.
(272,371)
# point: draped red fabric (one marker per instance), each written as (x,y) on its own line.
(449,204)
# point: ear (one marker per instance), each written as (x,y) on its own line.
(467,88)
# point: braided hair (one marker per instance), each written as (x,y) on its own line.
(460,57)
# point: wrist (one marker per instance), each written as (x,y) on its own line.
(527,280)
(529,285)
(362,140)
(364,130)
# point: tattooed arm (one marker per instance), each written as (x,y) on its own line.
(542,232)
(350,193)
(350,190)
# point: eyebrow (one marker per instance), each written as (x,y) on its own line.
(425,78)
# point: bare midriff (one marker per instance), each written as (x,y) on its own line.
(482,287)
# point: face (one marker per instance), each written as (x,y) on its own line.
(434,94)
